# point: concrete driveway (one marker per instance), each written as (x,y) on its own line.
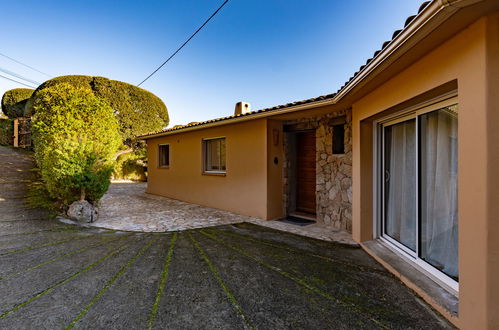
(236,276)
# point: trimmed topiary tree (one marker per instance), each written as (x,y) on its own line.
(138,111)
(76,137)
(14,101)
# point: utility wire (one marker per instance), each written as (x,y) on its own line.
(16,81)
(19,76)
(30,67)
(185,43)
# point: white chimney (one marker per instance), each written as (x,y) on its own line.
(242,108)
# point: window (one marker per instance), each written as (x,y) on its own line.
(339,139)
(417,181)
(214,155)
(164,155)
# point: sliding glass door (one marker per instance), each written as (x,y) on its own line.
(438,189)
(400,182)
(418,186)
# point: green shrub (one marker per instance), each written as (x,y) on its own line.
(76,138)
(14,101)
(6,131)
(131,166)
(138,111)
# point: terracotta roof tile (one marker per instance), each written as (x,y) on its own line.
(386,43)
(277,107)
(423,6)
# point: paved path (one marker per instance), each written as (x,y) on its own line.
(241,276)
(126,206)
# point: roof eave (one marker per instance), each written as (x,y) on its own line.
(423,24)
(239,119)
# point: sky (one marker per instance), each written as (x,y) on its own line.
(265,52)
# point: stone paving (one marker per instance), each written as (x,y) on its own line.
(127,207)
(237,276)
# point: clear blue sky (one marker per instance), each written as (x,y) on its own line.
(266,52)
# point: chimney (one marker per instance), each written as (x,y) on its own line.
(242,108)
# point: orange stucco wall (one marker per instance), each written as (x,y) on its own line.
(471,59)
(491,222)
(244,187)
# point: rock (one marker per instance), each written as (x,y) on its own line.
(346,183)
(332,193)
(346,169)
(82,211)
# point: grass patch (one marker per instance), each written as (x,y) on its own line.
(162,283)
(67,279)
(303,283)
(107,241)
(221,282)
(110,283)
(299,251)
(29,248)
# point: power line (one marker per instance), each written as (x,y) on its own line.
(19,76)
(30,67)
(16,81)
(185,43)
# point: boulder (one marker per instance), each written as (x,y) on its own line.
(82,211)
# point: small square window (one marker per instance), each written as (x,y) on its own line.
(339,139)
(164,155)
(214,155)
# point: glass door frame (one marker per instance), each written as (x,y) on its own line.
(384,124)
(379,179)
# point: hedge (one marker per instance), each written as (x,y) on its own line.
(6,131)
(138,111)
(76,138)
(131,166)
(14,101)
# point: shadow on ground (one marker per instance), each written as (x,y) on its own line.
(237,276)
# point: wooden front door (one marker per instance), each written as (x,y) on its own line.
(305,172)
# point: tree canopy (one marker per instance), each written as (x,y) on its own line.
(137,110)
(76,138)
(14,101)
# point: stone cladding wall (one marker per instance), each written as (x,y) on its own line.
(333,171)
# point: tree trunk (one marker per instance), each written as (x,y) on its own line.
(82,194)
(119,153)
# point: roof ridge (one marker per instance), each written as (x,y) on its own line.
(277,107)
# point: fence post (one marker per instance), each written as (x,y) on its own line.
(16,133)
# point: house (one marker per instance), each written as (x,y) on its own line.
(405,156)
